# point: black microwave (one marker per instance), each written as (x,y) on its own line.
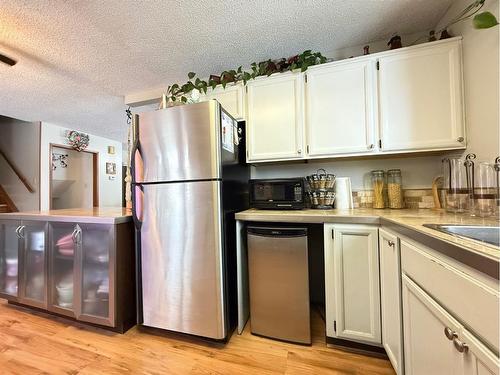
(277,194)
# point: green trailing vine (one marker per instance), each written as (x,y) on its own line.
(177,92)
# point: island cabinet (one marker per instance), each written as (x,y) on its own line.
(352,292)
(70,267)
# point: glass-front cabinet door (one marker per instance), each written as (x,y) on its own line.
(9,259)
(34,245)
(63,251)
(97,274)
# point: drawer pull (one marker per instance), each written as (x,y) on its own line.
(450,334)
(462,347)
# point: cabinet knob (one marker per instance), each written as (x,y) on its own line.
(371,146)
(460,139)
(461,346)
(299,152)
(450,334)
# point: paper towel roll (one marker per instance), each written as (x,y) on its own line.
(343,193)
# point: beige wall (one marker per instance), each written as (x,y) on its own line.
(20,141)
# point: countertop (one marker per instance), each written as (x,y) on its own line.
(98,215)
(408,222)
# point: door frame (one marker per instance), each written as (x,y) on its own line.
(95,173)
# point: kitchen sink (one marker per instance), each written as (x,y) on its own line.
(488,234)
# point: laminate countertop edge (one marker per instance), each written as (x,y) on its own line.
(470,257)
(474,254)
(95,216)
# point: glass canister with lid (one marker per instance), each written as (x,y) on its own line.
(395,188)
(378,182)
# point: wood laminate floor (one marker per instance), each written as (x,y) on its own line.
(37,343)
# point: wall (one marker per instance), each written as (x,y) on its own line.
(78,175)
(110,191)
(20,141)
(481,66)
(481,76)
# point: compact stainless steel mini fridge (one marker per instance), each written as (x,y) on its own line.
(279,283)
(189,179)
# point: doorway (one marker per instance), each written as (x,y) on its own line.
(73,178)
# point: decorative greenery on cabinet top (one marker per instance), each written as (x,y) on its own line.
(306,59)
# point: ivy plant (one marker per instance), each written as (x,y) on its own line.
(178,92)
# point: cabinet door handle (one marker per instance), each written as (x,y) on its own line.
(21,231)
(73,235)
(460,139)
(461,346)
(371,146)
(450,334)
(17,231)
(391,243)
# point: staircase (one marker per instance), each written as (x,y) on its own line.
(6,204)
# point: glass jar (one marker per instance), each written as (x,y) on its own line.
(378,182)
(484,201)
(394,188)
(455,182)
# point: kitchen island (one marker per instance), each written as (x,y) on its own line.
(76,263)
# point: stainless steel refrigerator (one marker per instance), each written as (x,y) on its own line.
(189,179)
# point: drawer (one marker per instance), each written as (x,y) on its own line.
(470,301)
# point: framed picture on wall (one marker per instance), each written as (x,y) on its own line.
(110,168)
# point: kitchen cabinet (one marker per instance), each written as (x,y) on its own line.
(421,98)
(71,267)
(340,108)
(231,99)
(352,286)
(275,118)
(33,278)
(404,100)
(9,258)
(436,343)
(427,348)
(390,297)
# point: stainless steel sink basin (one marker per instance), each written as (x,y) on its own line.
(488,234)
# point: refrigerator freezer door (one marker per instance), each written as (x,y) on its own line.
(181,143)
(181,258)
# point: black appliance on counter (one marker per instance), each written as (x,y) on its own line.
(277,194)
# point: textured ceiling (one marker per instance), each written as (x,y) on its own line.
(78,58)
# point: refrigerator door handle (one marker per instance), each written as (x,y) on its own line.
(137,199)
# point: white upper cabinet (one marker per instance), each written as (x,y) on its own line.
(340,117)
(352,287)
(275,118)
(421,98)
(231,99)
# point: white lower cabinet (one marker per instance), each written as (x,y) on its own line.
(352,293)
(437,344)
(390,298)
